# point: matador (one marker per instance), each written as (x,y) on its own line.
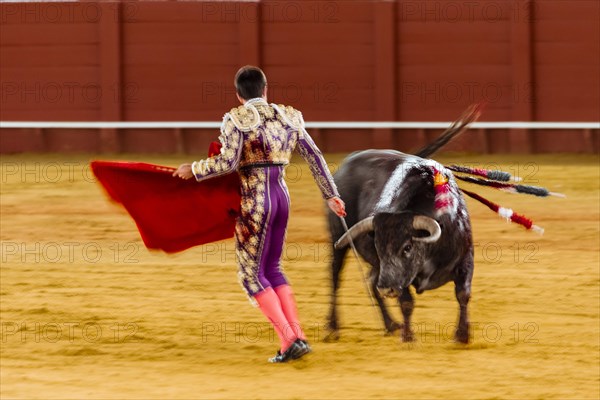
(258,140)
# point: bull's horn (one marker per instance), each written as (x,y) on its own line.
(430,225)
(360,228)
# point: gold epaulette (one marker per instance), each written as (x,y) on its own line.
(245,118)
(292,116)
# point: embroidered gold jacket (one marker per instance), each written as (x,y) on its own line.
(258,133)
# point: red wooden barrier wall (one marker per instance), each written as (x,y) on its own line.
(531,60)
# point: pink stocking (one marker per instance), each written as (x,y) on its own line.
(288,305)
(269,304)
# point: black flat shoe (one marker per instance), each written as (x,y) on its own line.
(306,345)
(294,352)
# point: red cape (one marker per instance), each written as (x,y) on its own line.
(172,214)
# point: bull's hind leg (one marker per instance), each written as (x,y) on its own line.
(462,288)
(337,264)
(407,305)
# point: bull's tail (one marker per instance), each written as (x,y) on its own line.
(471,114)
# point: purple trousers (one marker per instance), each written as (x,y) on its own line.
(261,228)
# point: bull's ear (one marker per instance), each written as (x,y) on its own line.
(360,228)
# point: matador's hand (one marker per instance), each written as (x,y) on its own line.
(184,171)
(337,206)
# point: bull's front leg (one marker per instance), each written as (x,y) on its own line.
(366,248)
(337,265)
(391,326)
(462,288)
(407,305)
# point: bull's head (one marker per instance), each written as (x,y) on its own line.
(403,242)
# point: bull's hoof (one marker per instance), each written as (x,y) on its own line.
(462,336)
(332,336)
(408,335)
(391,328)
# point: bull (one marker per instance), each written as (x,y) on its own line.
(409,221)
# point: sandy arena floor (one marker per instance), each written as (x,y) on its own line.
(88,312)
